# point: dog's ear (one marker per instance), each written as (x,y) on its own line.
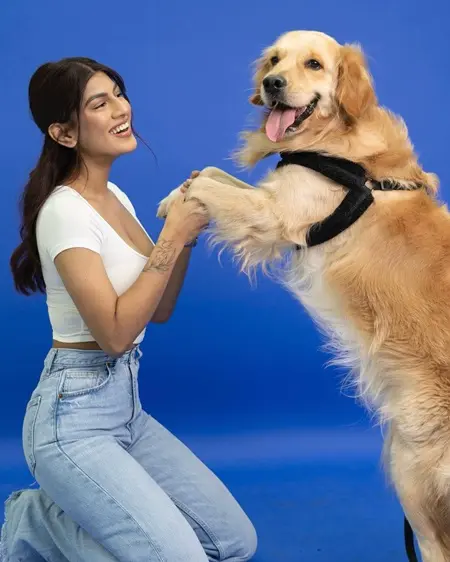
(355,93)
(261,69)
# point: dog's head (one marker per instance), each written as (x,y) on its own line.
(306,77)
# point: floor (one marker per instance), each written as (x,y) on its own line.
(313,495)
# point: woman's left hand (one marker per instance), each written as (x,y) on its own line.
(165,204)
(185,185)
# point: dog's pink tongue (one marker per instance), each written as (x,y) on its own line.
(277,123)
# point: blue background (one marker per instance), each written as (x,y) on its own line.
(237,372)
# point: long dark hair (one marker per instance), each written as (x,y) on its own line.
(55,93)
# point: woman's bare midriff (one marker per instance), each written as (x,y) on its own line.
(78,345)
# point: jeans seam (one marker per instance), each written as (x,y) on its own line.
(107,494)
(32,432)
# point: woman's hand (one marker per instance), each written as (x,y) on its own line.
(186,184)
(186,218)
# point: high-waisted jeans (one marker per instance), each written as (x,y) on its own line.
(114,484)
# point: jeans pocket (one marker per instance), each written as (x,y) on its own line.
(76,382)
(29,431)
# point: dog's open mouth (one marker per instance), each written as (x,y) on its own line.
(283,119)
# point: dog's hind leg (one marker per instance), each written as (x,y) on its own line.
(425,500)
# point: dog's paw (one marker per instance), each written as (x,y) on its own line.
(212,172)
(165,204)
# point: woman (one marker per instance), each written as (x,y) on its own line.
(114,484)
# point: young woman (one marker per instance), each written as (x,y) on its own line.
(114,484)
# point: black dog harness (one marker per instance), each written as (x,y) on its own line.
(354,178)
(350,175)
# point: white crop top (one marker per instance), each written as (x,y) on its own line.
(67,220)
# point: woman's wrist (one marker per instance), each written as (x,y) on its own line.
(173,233)
(178,236)
(192,243)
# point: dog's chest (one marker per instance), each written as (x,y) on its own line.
(346,346)
(307,282)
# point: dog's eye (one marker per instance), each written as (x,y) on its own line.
(313,64)
(274,60)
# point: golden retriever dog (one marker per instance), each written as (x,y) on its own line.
(380,289)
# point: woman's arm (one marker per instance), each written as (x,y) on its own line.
(170,296)
(115,321)
(169,299)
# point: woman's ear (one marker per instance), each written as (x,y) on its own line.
(355,94)
(63,134)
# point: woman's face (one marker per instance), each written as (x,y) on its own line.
(104,131)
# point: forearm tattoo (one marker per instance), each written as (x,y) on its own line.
(162,257)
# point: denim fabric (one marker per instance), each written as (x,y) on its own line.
(114,483)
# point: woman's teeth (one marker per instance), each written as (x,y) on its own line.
(120,128)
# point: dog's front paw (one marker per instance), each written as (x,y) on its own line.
(212,172)
(165,204)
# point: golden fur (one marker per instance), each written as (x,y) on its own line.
(381,289)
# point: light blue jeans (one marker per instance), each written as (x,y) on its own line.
(114,484)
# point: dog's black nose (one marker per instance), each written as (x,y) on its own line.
(274,84)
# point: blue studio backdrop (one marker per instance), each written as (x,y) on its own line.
(237,372)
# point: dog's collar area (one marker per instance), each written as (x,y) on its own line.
(350,175)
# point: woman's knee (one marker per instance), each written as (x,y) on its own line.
(234,540)
(245,544)
(240,547)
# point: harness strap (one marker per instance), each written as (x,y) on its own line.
(350,175)
(353,206)
(347,173)
(409,542)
